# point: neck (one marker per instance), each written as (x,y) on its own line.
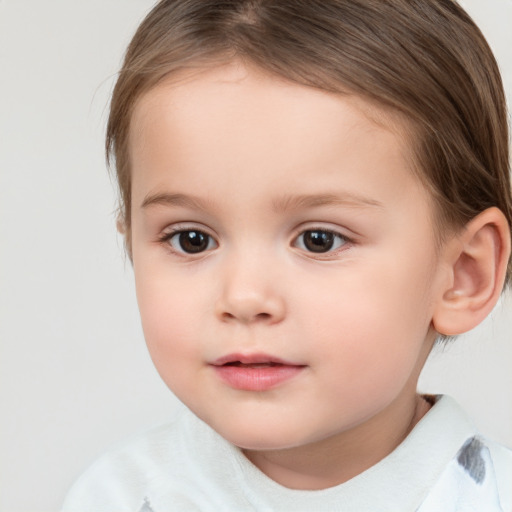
(339,458)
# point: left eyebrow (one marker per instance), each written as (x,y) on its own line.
(183,200)
(347,199)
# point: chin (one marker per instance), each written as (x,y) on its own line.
(262,437)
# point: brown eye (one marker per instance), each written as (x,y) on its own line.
(191,241)
(319,241)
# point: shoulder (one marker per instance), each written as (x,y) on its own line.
(501,457)
(476,473)
(121,478)
(182,465)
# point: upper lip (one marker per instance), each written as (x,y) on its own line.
(257,358)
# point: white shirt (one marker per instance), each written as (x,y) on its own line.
(444,464)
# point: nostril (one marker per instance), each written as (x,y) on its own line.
(262,317)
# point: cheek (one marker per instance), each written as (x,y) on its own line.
(169,311)
(372,322)
(372,298)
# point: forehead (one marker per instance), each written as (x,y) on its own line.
(229,122)
(208,89)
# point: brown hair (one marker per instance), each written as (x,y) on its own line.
(423,58)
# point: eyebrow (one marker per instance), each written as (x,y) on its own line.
(280,205)
(182,200)
(346,199)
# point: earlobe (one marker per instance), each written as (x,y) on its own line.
(477,260)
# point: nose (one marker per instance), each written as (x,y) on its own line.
(250,294)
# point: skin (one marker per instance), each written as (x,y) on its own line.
(358,317)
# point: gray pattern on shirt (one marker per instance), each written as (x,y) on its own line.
(146,507)
(470,458)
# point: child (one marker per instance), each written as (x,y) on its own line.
(312,193)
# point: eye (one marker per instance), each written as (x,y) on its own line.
(190,241)
(319,240)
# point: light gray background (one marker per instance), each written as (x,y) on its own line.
(75,376)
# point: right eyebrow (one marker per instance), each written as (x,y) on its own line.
(167,199)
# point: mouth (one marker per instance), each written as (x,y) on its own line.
(253,365)
(255,372)
(255,360)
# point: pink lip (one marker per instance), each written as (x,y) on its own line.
(255,372)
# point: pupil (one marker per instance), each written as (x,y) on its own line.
(318,241)
(193,241)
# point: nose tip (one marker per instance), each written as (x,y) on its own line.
(250,306)
(248,291)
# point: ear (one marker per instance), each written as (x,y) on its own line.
(120,225)
(123,230)
(476,260)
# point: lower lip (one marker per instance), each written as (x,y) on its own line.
(256,379)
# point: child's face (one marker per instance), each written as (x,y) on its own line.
(277,224)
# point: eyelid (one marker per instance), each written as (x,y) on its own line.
(186,226)
(327,227)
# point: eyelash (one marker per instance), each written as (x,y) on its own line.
(337,237)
